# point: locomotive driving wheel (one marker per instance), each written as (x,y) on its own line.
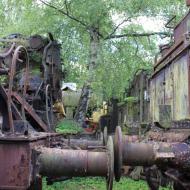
(110,175)
(19,66)
(118,145)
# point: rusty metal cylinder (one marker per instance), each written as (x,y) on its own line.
(79,163)
(138,154)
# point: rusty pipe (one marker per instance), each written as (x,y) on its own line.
(176,154)
(138,154)
(148,154)
(54,162)
(80,163)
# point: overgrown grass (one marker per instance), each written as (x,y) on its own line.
(97,184)
(68,127)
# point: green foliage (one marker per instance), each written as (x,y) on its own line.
(68,127)
(131,99)
(119,65)
(97,184)
(118,59)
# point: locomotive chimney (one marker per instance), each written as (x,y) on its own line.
(188,3)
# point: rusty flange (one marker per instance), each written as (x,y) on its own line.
(118,146)
(110,176)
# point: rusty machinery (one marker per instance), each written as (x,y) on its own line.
(29,148)
(171,158)
(30,82)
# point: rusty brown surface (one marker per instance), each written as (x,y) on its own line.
(56,162)
(24,90)
(16,164)
(15,161)
(18,155)
(165,155)
(172,51)
(179,43)
(31,112)
(182,27)
(138,154)
(18,167)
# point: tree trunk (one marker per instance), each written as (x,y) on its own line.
(83,104)
(86,91)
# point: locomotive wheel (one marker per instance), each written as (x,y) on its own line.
(14,66)
(110,176)
(118,153)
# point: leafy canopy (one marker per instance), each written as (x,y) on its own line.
(118,59)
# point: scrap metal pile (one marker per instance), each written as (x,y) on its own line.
(30,149)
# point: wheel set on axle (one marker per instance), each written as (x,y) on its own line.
(55,163)
(118,147)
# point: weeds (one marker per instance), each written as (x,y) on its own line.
(97,184)
(68,127)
